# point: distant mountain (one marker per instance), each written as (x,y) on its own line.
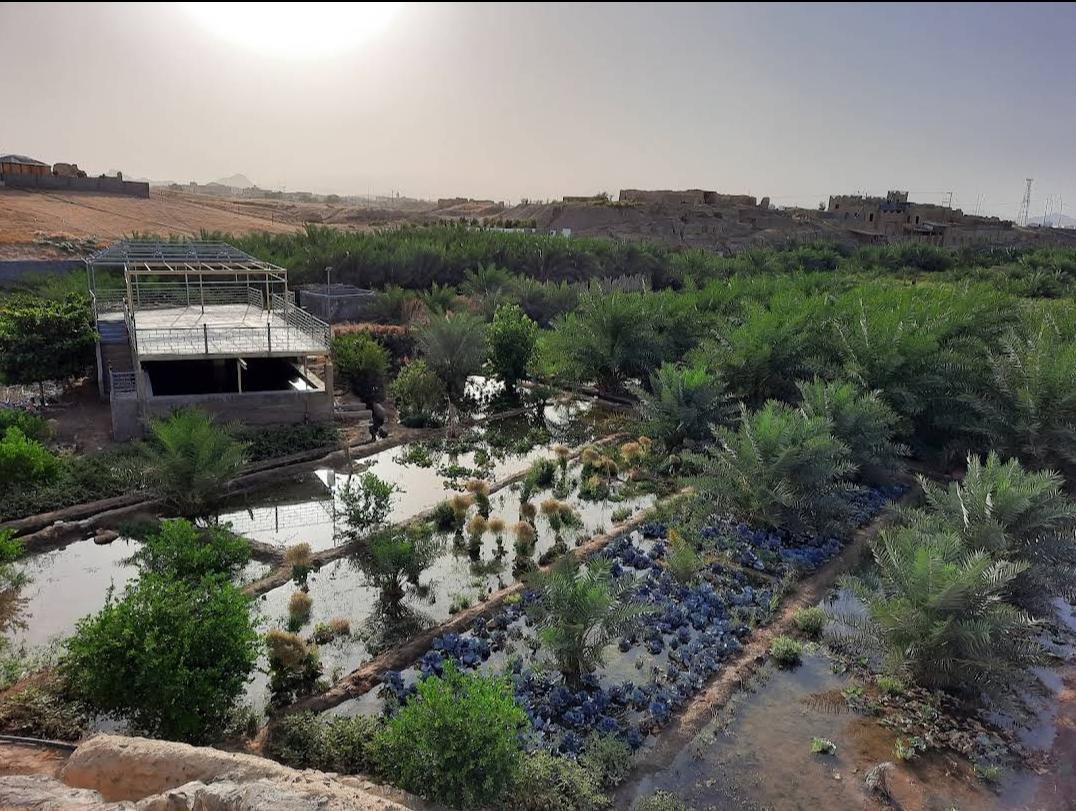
(235,182)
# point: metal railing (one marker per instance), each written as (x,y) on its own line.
(121,383)
(206,340)
(300,319)
(108,301)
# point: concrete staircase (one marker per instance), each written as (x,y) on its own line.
(115,348)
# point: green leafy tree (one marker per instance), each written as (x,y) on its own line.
(362,364)
(939,615)
(171,656)
(367,504)
(44,339)
(682,404)
(456,741)
(419,395)
(512,340)
(778,468)
(578,612)
(1014,515)
(180,550)
(189,461)
(861,420)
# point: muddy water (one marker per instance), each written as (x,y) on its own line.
(756,755)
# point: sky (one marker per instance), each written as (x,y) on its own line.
(542,100)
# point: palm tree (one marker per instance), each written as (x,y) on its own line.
(1011,514)
(861,420)
(682,404)
(454,348)
(938,613)
(777,468)
(579,611)
(190,459)
(1032,404)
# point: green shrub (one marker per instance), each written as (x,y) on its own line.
(890,685)
(294,666)
(170,656)
(778,468)
(512,340)
(861,420)
(937,615)
(338,744)
(660,801)
(271,442)
(367,504)
(45,339)
(189,460)
(362,364)
(42,711)
(682,404)
(392,559)
(823,746)
(786,651)
(25,461)
(608,758)
(548,782)
(810,621)
(180,550)
(456,741)
(681,559)
(31,425)
(419,395)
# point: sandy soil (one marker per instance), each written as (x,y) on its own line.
(26,216)
(19,759)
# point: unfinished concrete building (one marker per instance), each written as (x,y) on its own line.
(204,324)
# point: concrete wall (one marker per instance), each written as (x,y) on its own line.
(112,185)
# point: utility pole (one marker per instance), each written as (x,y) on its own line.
(949,204)
(1025,204)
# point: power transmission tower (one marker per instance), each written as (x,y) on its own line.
(1025,204)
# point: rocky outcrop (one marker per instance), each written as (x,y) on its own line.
(166,776)
(43,793)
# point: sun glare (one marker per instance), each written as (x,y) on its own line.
(295,30)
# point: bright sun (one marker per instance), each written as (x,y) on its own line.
(295,30)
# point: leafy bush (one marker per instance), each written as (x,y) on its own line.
(456,741)
(42,711)
(25,461)
(367,504)
(778,468)
(682,404)
(271,442)
(578,610)
(822,746)
(294,666)
(810,621)
(45,339)
(512,340)
(786,651)
(861,420)
(681,559)
(419,395)
(938,615)
(180,550)
(337,744)
(1014,515)
(190,460)
(171,656)
(33,426)
(660,801)
(362,364)
(608,758)
(547,782)
(392,559)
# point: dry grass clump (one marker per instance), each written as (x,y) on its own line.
(479,487)
(299,555)
(286,648)
(496,525)
(299,605)
(528,511)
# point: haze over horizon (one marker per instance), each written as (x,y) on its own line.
(796,102)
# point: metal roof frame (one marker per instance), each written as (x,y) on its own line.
(194,258)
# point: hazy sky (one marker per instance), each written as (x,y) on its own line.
(793,101)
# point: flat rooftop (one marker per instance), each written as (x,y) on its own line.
(219,331)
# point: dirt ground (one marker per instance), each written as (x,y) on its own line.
(80,418)
(20,759)
(25,216)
